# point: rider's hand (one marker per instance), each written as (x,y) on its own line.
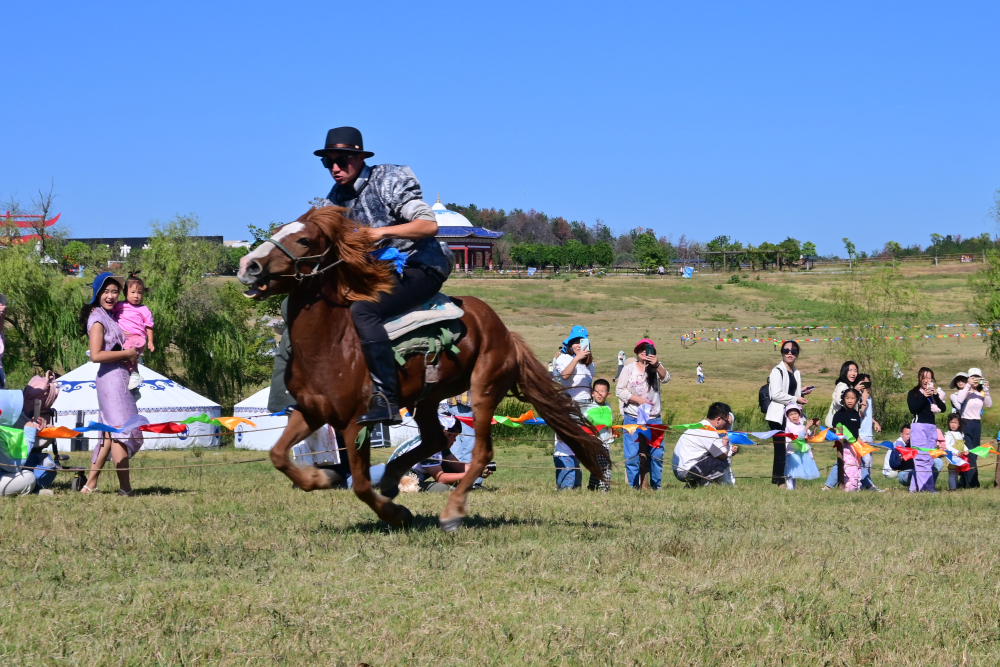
(651,360)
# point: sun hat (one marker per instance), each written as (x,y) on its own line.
(99,283)
(344,140)
(954,380)
(641,343)
(975,371)
(576,332)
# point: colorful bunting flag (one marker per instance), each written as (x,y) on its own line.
(58,432)
(232,422)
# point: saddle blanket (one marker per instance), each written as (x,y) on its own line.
(438,309)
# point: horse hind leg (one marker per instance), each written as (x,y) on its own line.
(486,396)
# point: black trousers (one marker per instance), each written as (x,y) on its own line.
(973,435)
(778,469)
(415,286)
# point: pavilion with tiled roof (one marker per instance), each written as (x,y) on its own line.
(473,246)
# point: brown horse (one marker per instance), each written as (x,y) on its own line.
(322,261)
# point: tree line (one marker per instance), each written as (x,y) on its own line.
(532,238)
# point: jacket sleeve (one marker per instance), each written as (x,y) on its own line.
(621,387)
(838,396)
(915,401)
(400,191)
(776,386)
(987,401)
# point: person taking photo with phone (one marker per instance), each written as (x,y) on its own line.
(638,392)
(574,368)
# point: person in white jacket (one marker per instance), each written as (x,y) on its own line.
(785,387)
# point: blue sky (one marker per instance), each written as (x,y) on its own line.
(876,121)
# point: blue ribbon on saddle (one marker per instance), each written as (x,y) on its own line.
(390,253)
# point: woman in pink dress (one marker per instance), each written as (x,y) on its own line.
(116,404)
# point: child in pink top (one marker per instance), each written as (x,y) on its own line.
(137,323)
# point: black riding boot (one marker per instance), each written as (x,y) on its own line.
(383,406)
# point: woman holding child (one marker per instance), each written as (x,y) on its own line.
(784,388)
(116,402)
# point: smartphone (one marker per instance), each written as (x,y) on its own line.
(585,344)
(491,466)
(809,388)
(650,349)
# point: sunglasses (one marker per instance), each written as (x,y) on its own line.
(788,350)
(341,161)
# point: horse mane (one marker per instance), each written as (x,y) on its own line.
(358,277)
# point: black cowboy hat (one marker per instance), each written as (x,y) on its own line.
(344,140)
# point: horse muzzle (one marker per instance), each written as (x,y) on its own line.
(254,276)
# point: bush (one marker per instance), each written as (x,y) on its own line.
(718,286)
(734,279)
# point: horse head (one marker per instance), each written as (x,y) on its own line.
(323,244)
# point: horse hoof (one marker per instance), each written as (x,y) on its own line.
(450,525)
(407,519)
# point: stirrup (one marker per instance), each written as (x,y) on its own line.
(384,411)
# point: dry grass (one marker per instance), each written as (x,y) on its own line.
(230,566)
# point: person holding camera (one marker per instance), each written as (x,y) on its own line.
(574,368)
(784,386)
(969,401)
(638,392)
(925,402)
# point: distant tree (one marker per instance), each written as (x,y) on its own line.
(648,252)
(603,254)
(809,249)
(76,252)
(602,233)
(851,251)
(561,229)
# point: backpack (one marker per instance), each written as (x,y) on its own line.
(764,395)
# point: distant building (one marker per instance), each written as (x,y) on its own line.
(129,243)
(237,244)
(473,246)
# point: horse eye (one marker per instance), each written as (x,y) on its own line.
(304,241)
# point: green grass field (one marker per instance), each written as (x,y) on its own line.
(229,565)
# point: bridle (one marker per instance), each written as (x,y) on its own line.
(298,261)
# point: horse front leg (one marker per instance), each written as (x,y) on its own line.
(299,428)
(361,481)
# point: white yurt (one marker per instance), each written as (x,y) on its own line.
(320,447)
(163,400)
(266,431)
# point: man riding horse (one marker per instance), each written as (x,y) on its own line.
(386,198)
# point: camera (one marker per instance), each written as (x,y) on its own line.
(491,466)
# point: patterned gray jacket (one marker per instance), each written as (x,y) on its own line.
(386,195)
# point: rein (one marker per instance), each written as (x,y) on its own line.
(297,261)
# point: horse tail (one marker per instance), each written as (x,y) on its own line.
(536,386)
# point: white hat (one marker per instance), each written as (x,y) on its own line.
(975,371)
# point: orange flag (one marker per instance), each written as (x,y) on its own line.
(819,437)
(58,432)
(530,414)
(232,422)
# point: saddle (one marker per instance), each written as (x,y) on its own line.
(437,309)
(429,329)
